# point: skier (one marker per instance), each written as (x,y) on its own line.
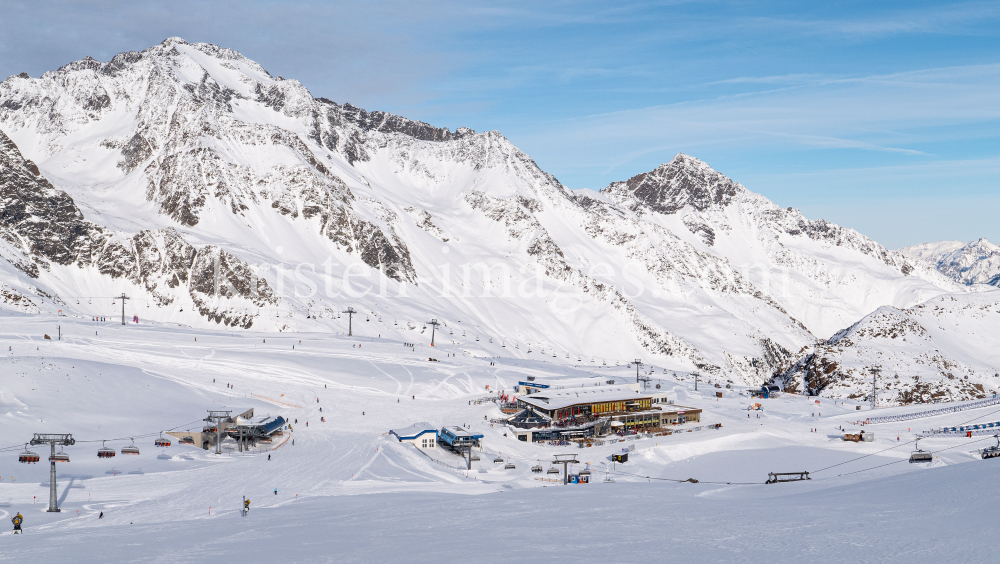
(17,520)
(275,491)
(269,457)
(101,516)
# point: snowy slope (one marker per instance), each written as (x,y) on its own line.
(187,152)
(972,263)
(348,492)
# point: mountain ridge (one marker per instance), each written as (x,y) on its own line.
(186,147)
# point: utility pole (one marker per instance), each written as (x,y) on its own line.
(637,363)
(565,460)
(350,326)
(218,417)
(123,297)
(433,323)
(53,440)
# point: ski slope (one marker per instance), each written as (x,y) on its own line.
(348,492)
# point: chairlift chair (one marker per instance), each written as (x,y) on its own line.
(552,470)
(920,455)
(27,457)
(474,457)
(536,469)
(131,449)
(59,456)
(509,466)
(161,442)
(105,452)
(497,460)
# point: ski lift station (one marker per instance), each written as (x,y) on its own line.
(225,424)
(424,436)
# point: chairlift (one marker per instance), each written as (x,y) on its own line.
(585,472)
(59,456)
(920,455)
(27,457)
(131,449)
(536,469)
(552,470)
(161,442)
(105,452)
(473,457)
(509,466)
(497,460)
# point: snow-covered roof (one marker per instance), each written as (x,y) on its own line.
(559,399)
(413,431)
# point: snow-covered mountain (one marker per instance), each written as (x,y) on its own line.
(972,263)
(942,350)
(213,193)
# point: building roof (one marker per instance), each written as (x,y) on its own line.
(413,431)
(559,399)
(459,432)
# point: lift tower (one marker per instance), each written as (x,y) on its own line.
(638,363)
(218,417)
(53,440)
(123,297)
(565,460)
(350,327)
(433,323)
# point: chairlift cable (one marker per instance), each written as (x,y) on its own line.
(864,456)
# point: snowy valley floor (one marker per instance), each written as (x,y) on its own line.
(348,492)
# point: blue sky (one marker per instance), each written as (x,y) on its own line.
(880,116)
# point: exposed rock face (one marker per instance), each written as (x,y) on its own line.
(682,182)
(191,144)
(46,226)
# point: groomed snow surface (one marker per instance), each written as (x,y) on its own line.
(349,492)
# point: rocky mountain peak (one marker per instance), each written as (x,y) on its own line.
(684,181)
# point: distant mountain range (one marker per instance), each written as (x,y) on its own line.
(972,263)
(217,195)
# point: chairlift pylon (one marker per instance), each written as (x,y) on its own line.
(105,452)
(27,457)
